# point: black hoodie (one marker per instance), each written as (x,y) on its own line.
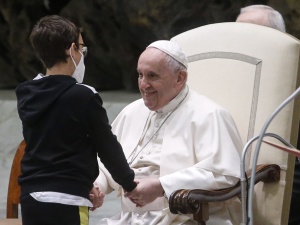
(65,127)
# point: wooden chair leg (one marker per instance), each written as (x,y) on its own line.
(202,215)
(12,210)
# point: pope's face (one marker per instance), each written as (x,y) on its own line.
(158,83)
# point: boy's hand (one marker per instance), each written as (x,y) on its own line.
(96,197)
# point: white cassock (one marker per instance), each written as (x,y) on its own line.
(191,143)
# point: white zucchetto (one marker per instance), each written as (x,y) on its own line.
(172,49)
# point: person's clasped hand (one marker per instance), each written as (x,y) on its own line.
(147,191)
(96,197)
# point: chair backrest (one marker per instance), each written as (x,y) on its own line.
(13,193)
(250,70)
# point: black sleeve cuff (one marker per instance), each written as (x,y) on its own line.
(129,187)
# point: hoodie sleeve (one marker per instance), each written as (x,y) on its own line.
(108,148)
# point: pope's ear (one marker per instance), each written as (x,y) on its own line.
(181,77)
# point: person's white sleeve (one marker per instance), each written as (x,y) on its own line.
(104,181)
(216,153)
(195,178)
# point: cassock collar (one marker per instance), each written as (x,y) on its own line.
(175,102)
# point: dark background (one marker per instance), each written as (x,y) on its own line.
(115,31)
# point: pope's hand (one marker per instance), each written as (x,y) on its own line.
(147,191)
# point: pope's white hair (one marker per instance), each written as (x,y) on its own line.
(275,19)
(174,64)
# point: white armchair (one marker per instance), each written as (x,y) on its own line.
(250,70)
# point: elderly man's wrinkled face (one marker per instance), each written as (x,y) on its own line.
(158,83)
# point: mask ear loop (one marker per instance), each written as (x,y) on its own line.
(72,57)
(71,54)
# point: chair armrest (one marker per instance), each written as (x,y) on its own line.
(189,201)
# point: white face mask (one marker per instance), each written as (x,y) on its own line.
(78,73)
